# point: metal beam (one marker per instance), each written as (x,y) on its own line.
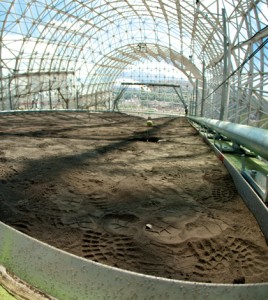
(263,33)
(253,138)
(65,100)
(118,97)
(18,75)
(181,98)
(150,84)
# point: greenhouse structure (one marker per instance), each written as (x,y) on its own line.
(112,74)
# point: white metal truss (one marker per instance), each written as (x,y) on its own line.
(64,53)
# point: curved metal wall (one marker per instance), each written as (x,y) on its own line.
(66,276)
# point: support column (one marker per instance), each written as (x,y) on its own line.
(196,97)
(1,87)
(259,113)
(9,92)
(49,90)
(250,86)
(225,86)
(192,102)
(77,97)
(204,89)
(96,101)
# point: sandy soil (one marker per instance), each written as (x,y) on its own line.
(92,185)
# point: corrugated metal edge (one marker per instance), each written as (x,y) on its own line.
(68,277)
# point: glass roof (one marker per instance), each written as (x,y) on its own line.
(77,49)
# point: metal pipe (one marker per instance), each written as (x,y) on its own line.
(253,138)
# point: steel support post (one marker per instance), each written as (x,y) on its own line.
(262,66)
(77,97)
(250,86)
(96,101)
(225,86)
(49,90)
(180,97)
(191,111)
(203,89)
(196,98)
(1,85)
(9,92)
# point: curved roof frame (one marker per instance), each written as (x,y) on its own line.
(84,38)
(71,31)
(129,54)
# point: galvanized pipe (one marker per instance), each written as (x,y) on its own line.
(254,139)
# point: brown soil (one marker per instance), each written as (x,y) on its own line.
(92,185)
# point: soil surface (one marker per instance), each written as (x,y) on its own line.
(106,187)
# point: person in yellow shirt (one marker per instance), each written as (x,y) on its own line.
(149,122)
